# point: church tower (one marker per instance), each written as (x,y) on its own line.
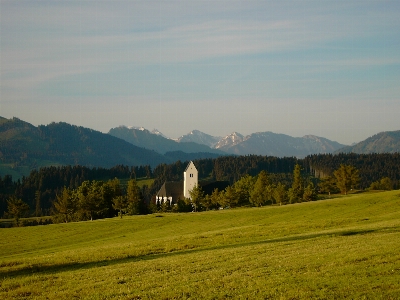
(190,179)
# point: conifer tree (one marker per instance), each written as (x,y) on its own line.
(17,208)
(197,197)
(309,193)
(120,203)
(64,205)
(262,191)
(346,177)
(280,194)
(133,198)
(295,193)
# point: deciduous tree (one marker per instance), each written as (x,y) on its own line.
(383,184)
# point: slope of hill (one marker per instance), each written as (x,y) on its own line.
(383,142)
(344,248)
(146,139)
(280,145)
(22,144)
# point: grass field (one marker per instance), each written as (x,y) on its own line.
(339,248)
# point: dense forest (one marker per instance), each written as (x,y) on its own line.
(372,167)
(40,189)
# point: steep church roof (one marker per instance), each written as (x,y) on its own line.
(190,164)
(172,189)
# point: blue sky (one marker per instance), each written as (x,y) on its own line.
(328,68)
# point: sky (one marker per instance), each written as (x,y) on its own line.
(327,68)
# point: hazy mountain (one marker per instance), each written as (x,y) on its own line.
(384,142)
(146,139)
(199,137)
(229,141)
(157,132)
(273,144)
(23,145)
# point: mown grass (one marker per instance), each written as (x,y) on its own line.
(339,248)
(140,182)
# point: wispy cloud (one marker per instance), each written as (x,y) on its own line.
(199,50)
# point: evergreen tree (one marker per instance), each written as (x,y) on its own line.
(280,194)
(38,209)
(309,193)
(133,198)
(216,198)
(207,202)
(229,198)
(328,185)
(64,205)
(197,197)
(17,208)
(297,189)
(120,204)
(347,177)
(262,191)
(243,188)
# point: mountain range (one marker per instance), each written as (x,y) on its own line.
(24,147)
(261,143)
(157,141)
(383,142)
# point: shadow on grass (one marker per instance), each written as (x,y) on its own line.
(53,269)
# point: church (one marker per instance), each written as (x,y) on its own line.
(172,191)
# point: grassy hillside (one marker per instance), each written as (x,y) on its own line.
(339,248)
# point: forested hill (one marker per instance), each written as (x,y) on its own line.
(63,144)
(384,142)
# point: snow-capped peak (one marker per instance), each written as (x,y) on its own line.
(199,137)
(230,140)
(157,132)
(137,128)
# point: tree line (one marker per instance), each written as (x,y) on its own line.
(101,199)
(41,188)
(372,167)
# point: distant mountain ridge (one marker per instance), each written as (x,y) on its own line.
(383,142)
(157,142)
(229,141)
(199,137)
(280,145)
(24,147)
(260,143)
(64,144)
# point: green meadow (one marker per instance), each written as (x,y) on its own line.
(342,248)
